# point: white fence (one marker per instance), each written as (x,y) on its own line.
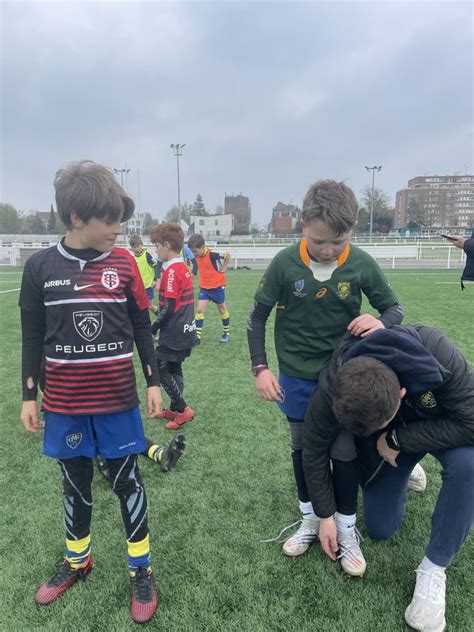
(418,254)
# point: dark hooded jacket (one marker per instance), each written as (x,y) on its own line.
(468,272)
(436,413)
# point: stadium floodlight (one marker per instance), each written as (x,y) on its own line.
(178,151)
(122,171)
(372,201)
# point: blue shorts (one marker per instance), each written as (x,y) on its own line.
(113,436)
(216,295)
(150,292)
(297,393)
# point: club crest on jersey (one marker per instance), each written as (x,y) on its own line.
(110,279)
(427,400)
(299,287)
(73,440)
(343,289)
(88,323)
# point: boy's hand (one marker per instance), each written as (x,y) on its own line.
(328,537)
(29,416)
(385,452)
(153,401)
(364,325)
(268,387)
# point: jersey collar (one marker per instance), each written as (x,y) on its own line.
(170,262)
(66,254)
(305,258)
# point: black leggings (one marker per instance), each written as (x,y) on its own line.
(126,483)
(171,378)
(345,474)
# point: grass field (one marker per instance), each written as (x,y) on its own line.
(233,488)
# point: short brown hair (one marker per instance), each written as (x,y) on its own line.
(90,190)
(196,241)
(366,394)
(332,202)
(135,240)
(172,233)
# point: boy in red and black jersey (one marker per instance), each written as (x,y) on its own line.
(175,321)
(83,306)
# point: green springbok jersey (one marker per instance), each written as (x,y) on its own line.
(315,303)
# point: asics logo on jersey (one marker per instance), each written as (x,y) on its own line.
(82,287)
(88,324)
(57,282)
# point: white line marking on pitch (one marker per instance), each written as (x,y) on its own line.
(5,291)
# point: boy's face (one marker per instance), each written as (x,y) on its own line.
(199,252)
(323,244)
(137,249)
(97,233)
(164,251)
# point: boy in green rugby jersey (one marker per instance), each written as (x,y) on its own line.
(317,286)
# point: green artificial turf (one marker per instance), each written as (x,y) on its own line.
(233,488)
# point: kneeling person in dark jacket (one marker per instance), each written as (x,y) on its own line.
(402,392)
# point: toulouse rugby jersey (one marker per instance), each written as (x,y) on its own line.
(179,330)
(88,342)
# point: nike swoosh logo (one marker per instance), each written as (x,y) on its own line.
(82,287)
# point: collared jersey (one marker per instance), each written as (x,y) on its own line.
(146,265)
(312,315)
(89,337)
(179,330)
(210,275)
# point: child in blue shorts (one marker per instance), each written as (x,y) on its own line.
(83,306)
(211,265)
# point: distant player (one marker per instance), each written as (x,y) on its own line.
(148,266)
(211,267)
(83,305)
(175,322)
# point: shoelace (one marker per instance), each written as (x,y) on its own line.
(64,571)
(142,585)
(430,585)
(277,538)
(348,543)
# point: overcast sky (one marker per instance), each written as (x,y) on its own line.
(267,96)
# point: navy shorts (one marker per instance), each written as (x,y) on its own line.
(113,435)
(150,292)
(216,295)
(297,392)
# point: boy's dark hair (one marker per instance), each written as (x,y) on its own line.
(135,240)
(332,202)
(90,190)
(366,394)
(196,241)
(172,233)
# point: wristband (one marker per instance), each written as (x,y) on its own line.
(256,370)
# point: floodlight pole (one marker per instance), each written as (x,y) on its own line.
(178,151)
(372,201)
(121,171)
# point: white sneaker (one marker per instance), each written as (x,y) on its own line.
(426,611)
(352,559)
(299,542)
(417,480)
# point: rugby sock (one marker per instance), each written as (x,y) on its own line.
(199,324)
(345,524)
(307,512)
(78,551)
(226,322)
(139,554)
(155,452)
(428,565)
